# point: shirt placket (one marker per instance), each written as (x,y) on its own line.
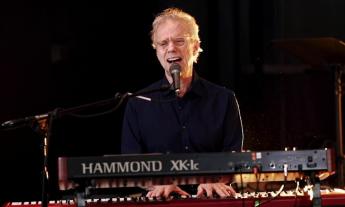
(183,111)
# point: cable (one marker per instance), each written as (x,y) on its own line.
(296,192)
(122,98)
(285,167)
(243,200)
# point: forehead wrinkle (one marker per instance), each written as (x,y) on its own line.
(171,29)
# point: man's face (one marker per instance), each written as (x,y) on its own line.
(174,44)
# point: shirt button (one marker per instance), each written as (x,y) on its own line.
(184,127)
(186,147)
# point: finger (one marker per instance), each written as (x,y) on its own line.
(221,191)
(200,192)
(149,194)
(205,189)
(181,192)
(166,192)
(159,192)
(209,192)
(231,190)
(154,193)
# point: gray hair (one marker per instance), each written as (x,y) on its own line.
(177,14)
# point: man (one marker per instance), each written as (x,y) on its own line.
(201,117)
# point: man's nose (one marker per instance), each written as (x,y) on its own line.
(171,46)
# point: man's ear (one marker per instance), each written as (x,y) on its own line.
(196,47)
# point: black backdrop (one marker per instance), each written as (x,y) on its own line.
(64,54)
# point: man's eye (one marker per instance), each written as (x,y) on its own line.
(163,44)
(180,42)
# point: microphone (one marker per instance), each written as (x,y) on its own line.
(23,121)
(175,71)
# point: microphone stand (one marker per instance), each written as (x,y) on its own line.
(45,122)
(46,126)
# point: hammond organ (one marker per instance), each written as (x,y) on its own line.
(116,171)
(189,168)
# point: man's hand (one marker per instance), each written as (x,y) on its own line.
(219,188)
(164,191)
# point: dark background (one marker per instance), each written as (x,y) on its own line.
(64,54)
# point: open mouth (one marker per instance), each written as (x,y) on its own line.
(174,59)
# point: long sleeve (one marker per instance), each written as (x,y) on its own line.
(206,119)
(130,140)
(233,130)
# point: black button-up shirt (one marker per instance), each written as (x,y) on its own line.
(205,119)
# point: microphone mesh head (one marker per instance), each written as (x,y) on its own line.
(175,68)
